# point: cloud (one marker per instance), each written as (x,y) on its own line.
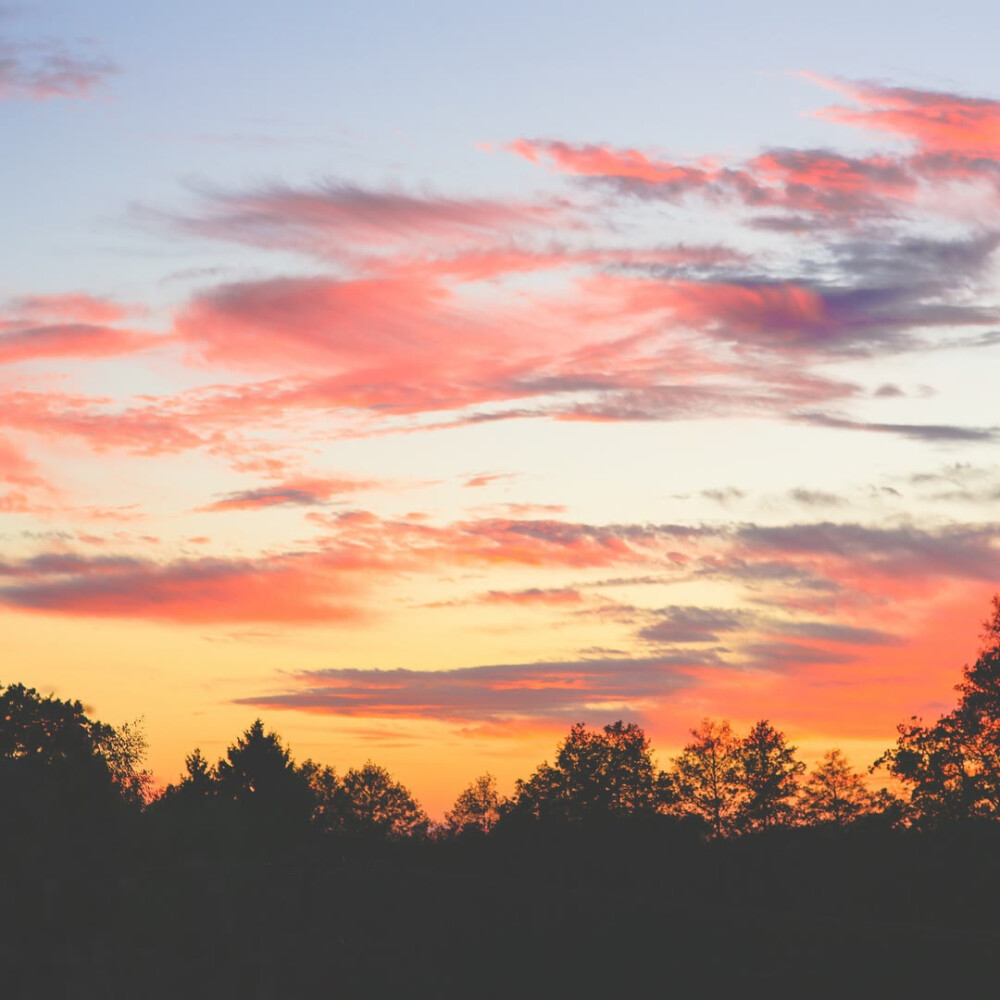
(916,432)
(691,624)
(328,218)
(62,326)
(293,493)
(102,422)
(533,596)
(791,655)
(44,71)
(16,467)
(284,588)
(819,182)
(505,693)
(816,498)
(837,632)
(953,138)
(488,478)
(935,121)
(960,551)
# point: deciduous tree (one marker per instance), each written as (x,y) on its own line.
(834,794)
(477,808)
(605,773)
(705,776)
(372,803)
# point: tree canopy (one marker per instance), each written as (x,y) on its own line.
(952,766)
(606,773)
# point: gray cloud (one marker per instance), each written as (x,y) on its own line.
(557,690)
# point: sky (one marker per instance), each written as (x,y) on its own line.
(425,378)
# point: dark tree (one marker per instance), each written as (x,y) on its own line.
(199,780)
(324,785)
(767,773)
(259,775)
(705,776)
(54,760)
(606,773)
(124,749)
(372,804)
(477,808)
(835,794)
(952,767)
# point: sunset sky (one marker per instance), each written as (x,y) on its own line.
(425,378)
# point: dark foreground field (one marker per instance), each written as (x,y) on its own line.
(542,912)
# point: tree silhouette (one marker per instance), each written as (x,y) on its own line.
(259,775)
(371,803)
(952,767)
(477,808)
(834,794)
(124,749)
(607,773)
(324,785)
(56,761)
(767,773)
(199,780)
(705,776)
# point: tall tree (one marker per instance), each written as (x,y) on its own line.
(767,773)
(259,775)
(705,776)
(952,767)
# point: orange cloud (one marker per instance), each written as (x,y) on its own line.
(284,588)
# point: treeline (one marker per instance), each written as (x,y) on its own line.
(53,757)
(733,866)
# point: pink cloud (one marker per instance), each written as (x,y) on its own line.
(935,121)
(41,72)
(814,181)
(102,423)
(302,492)
(60,326)
(284,588)
(331,218)
(590,160)
(16,467)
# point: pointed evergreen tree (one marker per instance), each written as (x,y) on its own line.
(767,773)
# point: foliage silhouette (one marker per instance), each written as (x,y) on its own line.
(767,773)
(323,785)
(834,794)
(56,763)
(952,767)
(704,776)
(606,774)
(799,871)
(372,804)
(477,808)
(259,776)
